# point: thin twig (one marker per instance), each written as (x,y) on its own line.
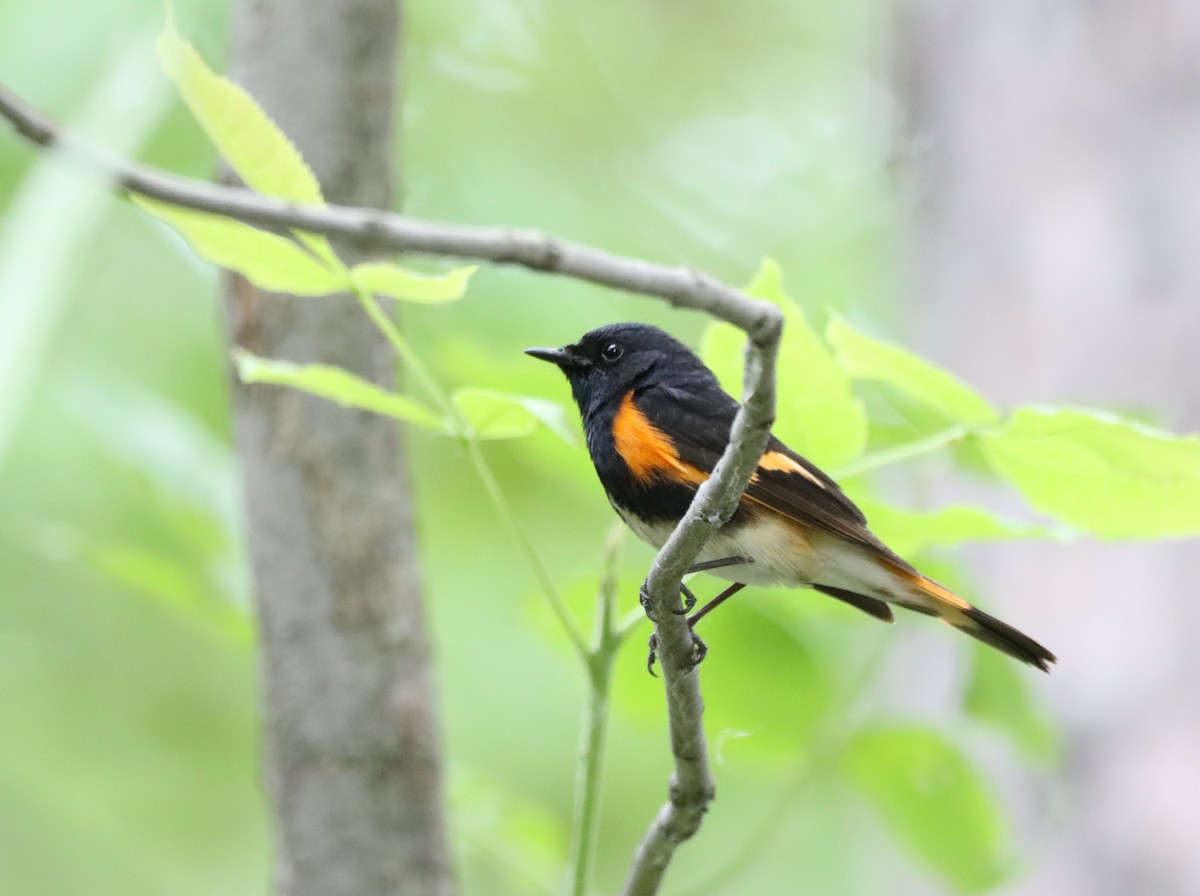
(413,363)
(557,604)
(691,786)
(606,642)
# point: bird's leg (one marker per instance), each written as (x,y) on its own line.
(716,564)
(715,602)
(689,599)
(699,648)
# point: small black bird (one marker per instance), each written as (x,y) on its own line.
(657,422)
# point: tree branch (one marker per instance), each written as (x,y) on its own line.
(373,230)
(691,785)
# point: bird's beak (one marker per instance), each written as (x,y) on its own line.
(566,357)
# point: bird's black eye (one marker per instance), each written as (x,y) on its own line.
(611,352)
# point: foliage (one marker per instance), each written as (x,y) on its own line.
(934,800)
(1100,474)
(817,410)
(789,682)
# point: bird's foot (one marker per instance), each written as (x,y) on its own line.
(699,651)
(689,601)
(647,604)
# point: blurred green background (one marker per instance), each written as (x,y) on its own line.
(705,134)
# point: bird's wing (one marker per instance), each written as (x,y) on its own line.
(784,482)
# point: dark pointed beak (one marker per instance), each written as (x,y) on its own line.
(565,357)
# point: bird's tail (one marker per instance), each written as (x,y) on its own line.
(926,596)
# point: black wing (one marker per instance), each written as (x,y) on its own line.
(785,482)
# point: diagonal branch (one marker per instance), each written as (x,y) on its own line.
(373,230)
(691,786)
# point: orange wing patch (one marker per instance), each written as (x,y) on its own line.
(646,450)
(777,460)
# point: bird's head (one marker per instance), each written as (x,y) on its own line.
(609,361)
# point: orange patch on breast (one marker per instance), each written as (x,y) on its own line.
(646,450)
(777,460)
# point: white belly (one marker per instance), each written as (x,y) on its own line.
(778,555)
(781,554)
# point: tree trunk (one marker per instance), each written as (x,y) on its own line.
(351,742)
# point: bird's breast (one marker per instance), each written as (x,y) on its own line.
(647,452)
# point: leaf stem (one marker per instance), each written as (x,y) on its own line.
(874,461)
(492,487)
(463,430)
(411,360)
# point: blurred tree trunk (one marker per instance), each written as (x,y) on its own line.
(1059,205)
(351,743)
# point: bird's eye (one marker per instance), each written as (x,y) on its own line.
(611,352)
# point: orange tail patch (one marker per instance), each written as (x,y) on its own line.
(932,597)
(936,600)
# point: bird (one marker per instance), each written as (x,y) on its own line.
(656,422)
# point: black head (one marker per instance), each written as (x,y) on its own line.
(609,361)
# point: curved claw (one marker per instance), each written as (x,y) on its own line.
(689,601)
(699,652)
(644,600)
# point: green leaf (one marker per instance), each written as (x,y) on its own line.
(338,385)
(723,348)
(817,413)
(773,640)
(261,154)
(909,531)
(1104,475)
(267,260)
(553,416)
(387,279)
(493,415)
(998,695)
(866,358)
(241,131)
(770,723)
(933,800)
(501,415)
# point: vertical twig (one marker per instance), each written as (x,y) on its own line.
(412,362)
(606,642)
